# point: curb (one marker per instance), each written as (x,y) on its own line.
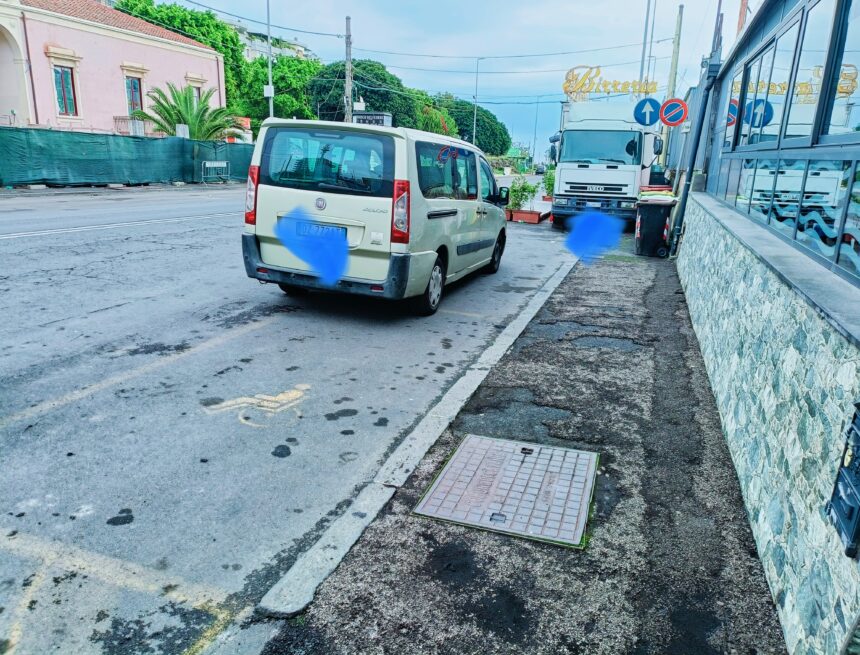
(296,589)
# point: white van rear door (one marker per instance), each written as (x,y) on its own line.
(343,180)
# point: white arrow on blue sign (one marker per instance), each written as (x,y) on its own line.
(758,113)
(646,112)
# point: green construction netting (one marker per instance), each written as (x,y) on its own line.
(39,156)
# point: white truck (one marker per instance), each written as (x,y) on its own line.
(603,157)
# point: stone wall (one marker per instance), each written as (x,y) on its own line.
(785,380)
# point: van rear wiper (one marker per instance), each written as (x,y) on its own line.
(325,186)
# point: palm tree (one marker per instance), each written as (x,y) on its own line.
(181,107)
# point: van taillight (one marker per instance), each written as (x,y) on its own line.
(400,212)
(251,195)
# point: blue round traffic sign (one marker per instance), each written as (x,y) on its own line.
(673,112)
(647,112)
(758,113)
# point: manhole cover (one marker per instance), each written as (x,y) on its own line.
(524,489)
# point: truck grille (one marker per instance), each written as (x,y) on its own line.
(614,189)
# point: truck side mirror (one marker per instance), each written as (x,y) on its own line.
(658,145)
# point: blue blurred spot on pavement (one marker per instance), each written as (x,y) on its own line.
(592,234)
(323,248)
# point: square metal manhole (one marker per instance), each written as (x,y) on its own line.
(524,489)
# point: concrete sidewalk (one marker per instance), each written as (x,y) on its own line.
(609,365)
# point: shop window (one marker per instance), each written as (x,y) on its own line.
(843,96)
(723,181)
(779,80)
(64,83)
(133,94)
(786,195)
(732,111)
(753,69)
(849,247)
(758,110)
(807,83)
(762,189)
(824,196)
(733,181)
(745,185)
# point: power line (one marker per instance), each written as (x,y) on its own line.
(520,72)
(522,56)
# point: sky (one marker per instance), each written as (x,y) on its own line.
(509,87)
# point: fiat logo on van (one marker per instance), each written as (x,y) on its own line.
(320,203)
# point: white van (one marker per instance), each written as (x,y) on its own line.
(417,209)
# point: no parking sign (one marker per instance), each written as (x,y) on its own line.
(673,112)
(732,116)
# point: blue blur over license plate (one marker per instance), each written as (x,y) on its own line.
(305,229)
(593,203)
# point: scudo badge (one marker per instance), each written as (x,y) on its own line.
(320,203)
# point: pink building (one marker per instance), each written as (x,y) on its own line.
(78,64)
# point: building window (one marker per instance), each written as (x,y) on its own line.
(786,195)
(779,80)
(807,82)
(732,113)
(849,248)
(755,111)
(733,181)
(824,196)
(745,186)
(64,83)
(762,189)
(133,94)
(843,112)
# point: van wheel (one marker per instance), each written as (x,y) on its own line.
(496,260)
(291,290)
(428,302)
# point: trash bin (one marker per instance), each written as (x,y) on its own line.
(652,226)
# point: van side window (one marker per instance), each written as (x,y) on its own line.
(489,189)
(446,171)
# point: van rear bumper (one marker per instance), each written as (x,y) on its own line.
(393,287)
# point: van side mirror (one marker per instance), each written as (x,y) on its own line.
(658,145)
(504,196)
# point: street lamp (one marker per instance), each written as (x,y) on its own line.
(269,91)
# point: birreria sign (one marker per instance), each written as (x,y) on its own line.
(581,81)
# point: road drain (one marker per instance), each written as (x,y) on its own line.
(523,489)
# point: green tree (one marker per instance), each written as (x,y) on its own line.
(290,77)
(493,136)
(202,26)
(180,106)
(431,117)
(381,90)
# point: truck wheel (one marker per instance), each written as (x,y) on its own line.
(428,302)
(498,251)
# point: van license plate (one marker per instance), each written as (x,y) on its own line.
(305,229)
(593,203)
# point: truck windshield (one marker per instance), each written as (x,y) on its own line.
(601,147)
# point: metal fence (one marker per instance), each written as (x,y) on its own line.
(60,158)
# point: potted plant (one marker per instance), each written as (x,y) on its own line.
(548,184)
(521,193)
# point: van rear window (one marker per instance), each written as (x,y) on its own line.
(329,160)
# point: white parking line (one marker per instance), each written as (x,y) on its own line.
(112,226)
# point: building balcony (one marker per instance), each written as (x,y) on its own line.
(128,126)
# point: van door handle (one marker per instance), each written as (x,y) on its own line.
(482,211)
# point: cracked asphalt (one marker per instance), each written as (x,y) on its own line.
(174,435)
(611,365)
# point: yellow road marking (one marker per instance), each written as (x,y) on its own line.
(17,631)
(113,571)
(121,378)
(270,404)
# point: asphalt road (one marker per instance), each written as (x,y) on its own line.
(172,434)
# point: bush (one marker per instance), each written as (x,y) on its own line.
(521,192)
(549,181)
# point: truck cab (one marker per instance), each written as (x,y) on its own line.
(603,158)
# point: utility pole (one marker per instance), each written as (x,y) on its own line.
(673,75)
(347,99)
(651,45)
(644,46)
(475,113)
(534,137)
(270,89)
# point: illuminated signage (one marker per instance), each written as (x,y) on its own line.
(583,80)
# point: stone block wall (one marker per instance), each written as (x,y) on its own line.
(785,380)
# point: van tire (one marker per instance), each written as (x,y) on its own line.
(428,302)
(292,290)
(496,260)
